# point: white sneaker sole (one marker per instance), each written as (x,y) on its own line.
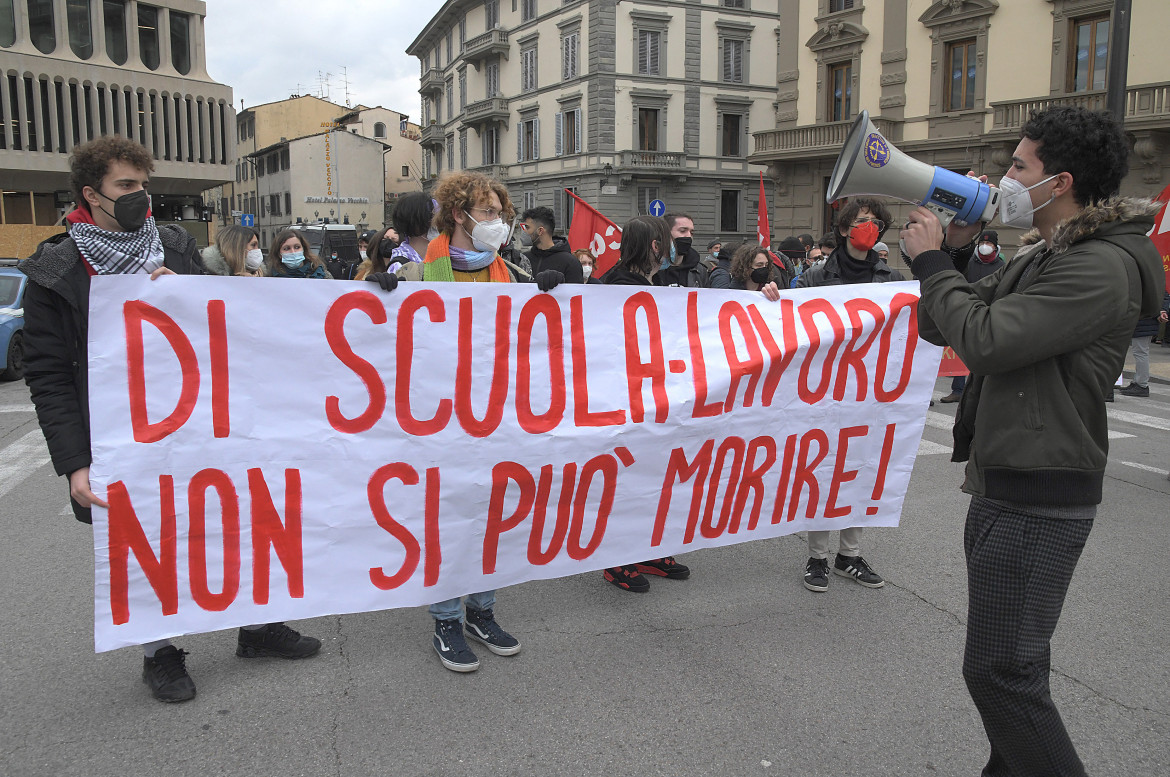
(820,589)
(454,667)
(499,651)
(859,581)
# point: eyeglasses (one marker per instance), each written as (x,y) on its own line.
(881,225)
(491,213)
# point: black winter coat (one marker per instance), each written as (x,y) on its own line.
(829,273)
(559,257)
(690,272)
(56,320)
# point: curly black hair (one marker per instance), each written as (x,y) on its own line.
(91,161)
(1089,145)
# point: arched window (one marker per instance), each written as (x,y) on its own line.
(80,28)
(148,36)
(379,130)
(7,23)
(115,14)
(41,27)
(181,42)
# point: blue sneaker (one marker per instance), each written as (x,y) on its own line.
(452,647)
(482,627)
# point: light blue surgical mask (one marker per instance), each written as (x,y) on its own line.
(293,259)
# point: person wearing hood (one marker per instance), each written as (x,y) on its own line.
(859,226)
(986,261)
(1044,337)
(236,252)
(681,267)
(548,252)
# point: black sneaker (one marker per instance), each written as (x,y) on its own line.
(166,674)
(1134,390)
(816,574)
(452,647)
(856,568)
(628,578)
(276,640)
(482,627)
(664,567)
(1109,396)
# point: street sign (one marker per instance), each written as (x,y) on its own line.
(237,213)
(657,207)
(247,220)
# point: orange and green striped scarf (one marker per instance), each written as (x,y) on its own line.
(437,264)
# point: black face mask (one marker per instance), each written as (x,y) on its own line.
(129,209)
(681,246)
(386,246)
(760,275)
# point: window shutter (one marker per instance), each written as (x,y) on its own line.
(643,49)
(653,53)
(536,138)
(726,60)
(559,148)
(577,134)
(520,142)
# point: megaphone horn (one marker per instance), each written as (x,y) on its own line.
(870,164)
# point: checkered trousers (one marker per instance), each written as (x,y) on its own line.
(1018,570)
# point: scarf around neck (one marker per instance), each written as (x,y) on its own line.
(438,265)
(116,253)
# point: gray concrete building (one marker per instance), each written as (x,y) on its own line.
(623,103)
(73,70)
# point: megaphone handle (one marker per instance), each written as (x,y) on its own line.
(944,216)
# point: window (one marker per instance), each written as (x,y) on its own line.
(527,10)
(733,61)
(115,13)
(148,35)
(181,42)
(647,129)
(462,33)
(961,76)
(462,89)
(729,211)
(569,56)
(840,5)
(450,152)
(528,140)
(450,84)
(463,149)
(450,44)
(528,69)
(1089,52)
(7,28)
(492,79)
(733,3)
(646,195)
(567,207)
(840,91)
(80,33)
(732,134)
(379,129)
(648,41)
(568,132)
(288,203)
(491,146)
(285,161)
(41,25)
(406,171)
(529,200)
(491,14)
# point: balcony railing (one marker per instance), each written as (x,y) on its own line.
(432,135)
(813,139)
(491,109)
(480,47)
(432,81)
(1142,104)
(498,172)
(653,160)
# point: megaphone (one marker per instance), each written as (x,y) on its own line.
(870,164)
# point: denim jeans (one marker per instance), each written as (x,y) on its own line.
(452,609)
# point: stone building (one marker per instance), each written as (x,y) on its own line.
(73,70)
(624,103)
(950,82)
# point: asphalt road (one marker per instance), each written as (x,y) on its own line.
(737,671)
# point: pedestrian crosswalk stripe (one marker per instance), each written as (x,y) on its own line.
(1146,467)
(1141,420)
(928,448)
(17,409)
(21,459)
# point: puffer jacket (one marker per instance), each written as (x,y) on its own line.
(1044,337)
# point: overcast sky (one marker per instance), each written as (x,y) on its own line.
(267,50)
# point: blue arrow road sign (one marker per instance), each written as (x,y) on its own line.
(657,207)
(249,219)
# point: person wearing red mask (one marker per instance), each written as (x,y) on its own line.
(854,260)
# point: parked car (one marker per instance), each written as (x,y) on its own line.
(12,286)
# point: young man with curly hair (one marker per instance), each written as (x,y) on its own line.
(1044,337)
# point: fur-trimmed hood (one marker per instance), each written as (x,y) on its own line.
(213,261)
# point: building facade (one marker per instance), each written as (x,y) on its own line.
(402,162)
(74,70)
(537,94)
(950,82)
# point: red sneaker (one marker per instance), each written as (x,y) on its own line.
(628,578)
(664,567)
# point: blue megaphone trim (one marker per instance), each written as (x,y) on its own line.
(966,197)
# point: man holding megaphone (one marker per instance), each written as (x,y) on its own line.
(1044,338)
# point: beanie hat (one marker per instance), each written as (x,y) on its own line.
(881,247)
(792,247)
(714,243)
(991,235)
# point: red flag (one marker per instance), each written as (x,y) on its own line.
(594,231)
(763,230)
(1160,234)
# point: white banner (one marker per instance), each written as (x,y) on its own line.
(274,449)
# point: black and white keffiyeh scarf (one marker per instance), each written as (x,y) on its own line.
(119,253)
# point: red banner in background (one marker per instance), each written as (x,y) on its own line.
(594,231)
(951,365)
(1161,233)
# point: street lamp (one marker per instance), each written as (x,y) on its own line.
(605,173)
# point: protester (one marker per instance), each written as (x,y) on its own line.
(380,255)
(291,257)
(720,275)
(882,250)
(788,258)
(547,252)
(588,264)
(1044,338)
(986,261)
(645,243)
(712,254)
(752,269)
(1145,331)
(111,232)
(364,243)
(413,216)
(236,252)
(472,220)
(806,242)
(861,222)
(681,265)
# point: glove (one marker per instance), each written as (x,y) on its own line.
(387,280)
(547,280)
